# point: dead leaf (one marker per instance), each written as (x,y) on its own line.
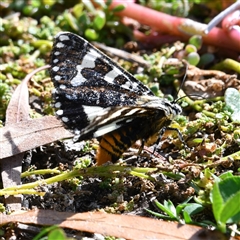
(122,226)
(23,136)
(11,167)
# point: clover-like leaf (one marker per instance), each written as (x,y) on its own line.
(225,201)
(232,99)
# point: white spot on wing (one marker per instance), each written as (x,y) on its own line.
(110,76)
(126,84)
(60,45)
(87,62)
(89,59)
(135,86)
(57,78)
(59,112)
(57,105)
(77,132)
(62,86)
(65,119)
(63,37)
(55,69)
(78,80)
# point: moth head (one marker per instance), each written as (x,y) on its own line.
(176,109)
(171,109)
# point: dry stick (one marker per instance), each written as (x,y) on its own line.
(11,167)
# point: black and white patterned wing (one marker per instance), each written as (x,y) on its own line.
(87,83)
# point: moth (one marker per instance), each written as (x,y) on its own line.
(96,98)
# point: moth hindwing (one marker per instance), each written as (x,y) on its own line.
(95,97)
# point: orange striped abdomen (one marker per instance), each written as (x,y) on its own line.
(114,144)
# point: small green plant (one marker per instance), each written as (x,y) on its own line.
(225,198)
(52,233)
(182,213)
(94,21)
(5,96)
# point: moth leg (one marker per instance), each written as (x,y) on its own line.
(163,130)
(143,141)
(179,136)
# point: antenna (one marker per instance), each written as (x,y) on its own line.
(182,83)
(184,77)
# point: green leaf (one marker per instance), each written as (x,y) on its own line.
(44,232)
(180,208)
(77,10)
(49,2)
(225,197)
(89,6)
(84,20)
(190,48)
(226,175)
(196,40)
(99,21)
(171,208)
(118,8)
(57,234)
(193,58)
(108,2)
(217,201)
(159,215)
(91,34)
(229,186)
(165,208)
(232,99)
(193,208)
(206,58)
(187,217)
(231,209)
(71,20)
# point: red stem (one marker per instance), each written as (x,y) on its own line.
(178,26)
(231,20)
